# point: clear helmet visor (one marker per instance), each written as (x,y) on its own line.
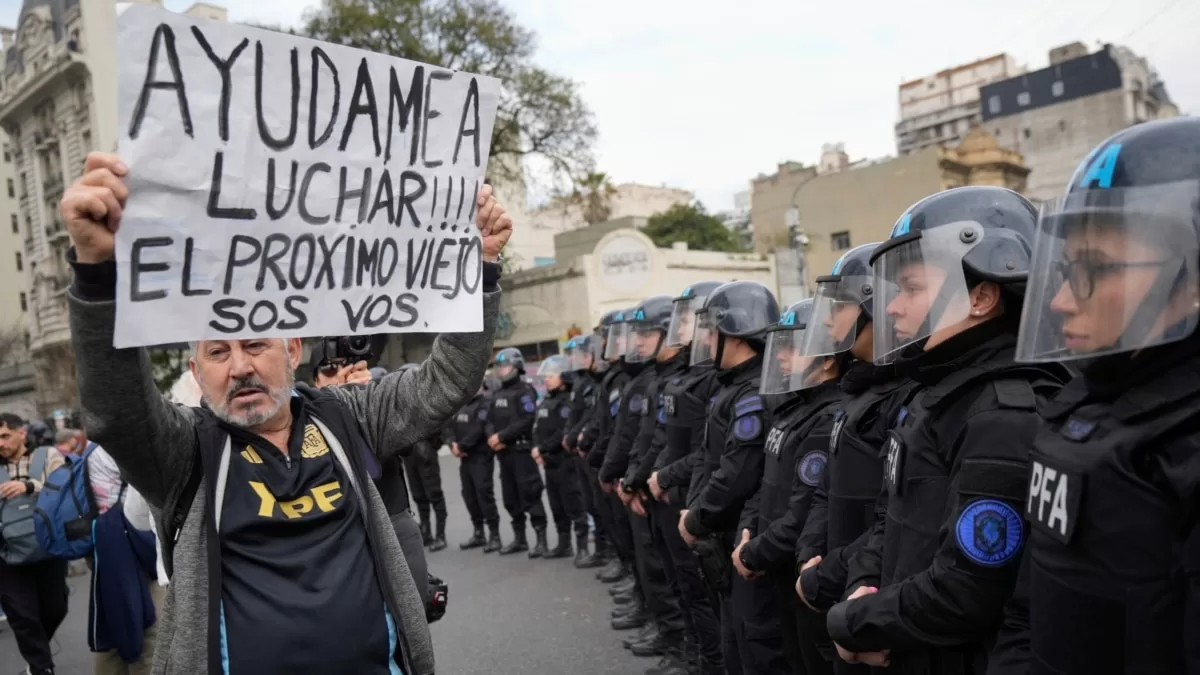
(555,365)
(643,342)
(615,343)
(1113,271)
(920,288)
(505,370)
(785,367)
(833,326)
(704,340)
(581,357)
(683,321)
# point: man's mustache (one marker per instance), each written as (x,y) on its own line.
(244,384)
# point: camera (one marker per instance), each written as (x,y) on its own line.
(334,352)
(439,597)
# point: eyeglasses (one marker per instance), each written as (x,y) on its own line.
(1081,275)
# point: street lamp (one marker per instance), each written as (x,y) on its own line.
(799,240)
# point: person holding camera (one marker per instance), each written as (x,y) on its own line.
(268,514)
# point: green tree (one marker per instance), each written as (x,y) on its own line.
(692,224)
(593,195)
(166,365)
(540,114)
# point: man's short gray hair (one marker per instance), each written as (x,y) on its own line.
(194,347)
(67,436)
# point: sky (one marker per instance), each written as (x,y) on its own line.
(706,94)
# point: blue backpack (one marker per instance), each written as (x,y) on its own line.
(66,507)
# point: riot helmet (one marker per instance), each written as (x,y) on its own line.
(582,352)
(509,364)
(739,309)
(647,328)
(842,308)
(617,336)
(939,250)
(683,312)
(554,367)
(1115,259)
(785,367)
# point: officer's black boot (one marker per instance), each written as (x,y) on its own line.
(493,542)
(563,550)
(439,540)
(540,546)
(622,587)
(477,540)
(635,619)
(518,544)
(613,572)
(426,530)
(583,559)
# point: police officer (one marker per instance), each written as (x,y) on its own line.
(425,481)
(562,485)
(1114,547)
(842,511)
(779,634)
(949,286)
(647,332)
(730,335)
(476,469)
(510,426)
(584,356)
(595,443)
(682,407)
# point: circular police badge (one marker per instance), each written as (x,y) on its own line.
(482,414)
(528,404)
(989,532)
(811,468)
(566,412)
(637,403)
(747,428)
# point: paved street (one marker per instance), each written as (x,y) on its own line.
(506,615)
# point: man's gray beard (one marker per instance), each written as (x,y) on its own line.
(251,419)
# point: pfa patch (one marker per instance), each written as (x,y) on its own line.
(637,403)
(463,417)
(747,428)
(989,532)
(543,413)
(482,414)
(565,412)
(527,403)
(811,468)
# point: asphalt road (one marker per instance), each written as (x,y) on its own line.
(506,615)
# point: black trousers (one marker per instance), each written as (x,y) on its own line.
(729,639)
(756,625)
(408,533)
(612,514)
(589,503)
(662,596)
(34,597)
(425,485)
(699,612)
(806,642)
(563,491)
(476,472)
(521,488)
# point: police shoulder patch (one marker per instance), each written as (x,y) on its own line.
(989,532)
(482,414)
(565,412)
(527,403)
(637,403)
(811,467)
(748,427)
(747,405)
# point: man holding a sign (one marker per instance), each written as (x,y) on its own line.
(280,543)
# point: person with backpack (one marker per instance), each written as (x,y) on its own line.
(33,585)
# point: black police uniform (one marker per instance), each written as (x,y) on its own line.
(728,476)
(683,410)
(780,634)
(582,404)
(843,507)
(425,482)
(662,595)
(512,414)
(562,485)
(955,470)
(632,405)
(477,466)
(597,438)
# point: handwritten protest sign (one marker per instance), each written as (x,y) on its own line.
(285,187)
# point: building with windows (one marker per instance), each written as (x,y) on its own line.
(941,108)
(819,213)
(17,391)
(1055,115)
(738,219)
(58,101)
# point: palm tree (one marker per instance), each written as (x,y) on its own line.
(593,195)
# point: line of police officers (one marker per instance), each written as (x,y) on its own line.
(900,473)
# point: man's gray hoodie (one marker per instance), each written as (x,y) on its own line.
(155,445)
